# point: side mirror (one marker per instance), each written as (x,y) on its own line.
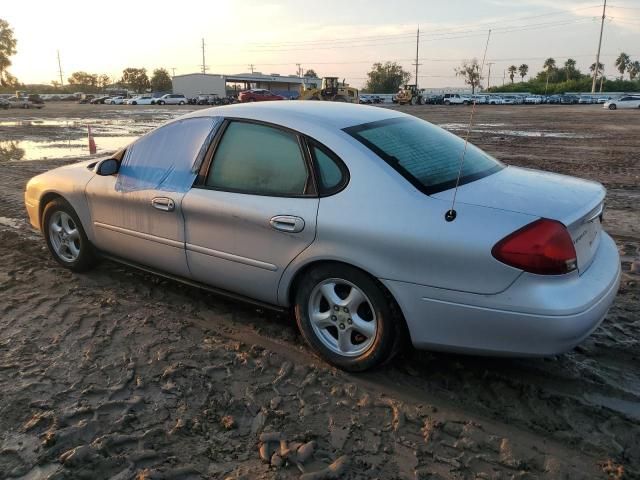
(108,167)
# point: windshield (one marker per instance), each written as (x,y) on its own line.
(426,155)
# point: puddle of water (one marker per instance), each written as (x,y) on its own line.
(489,128)
(42,150)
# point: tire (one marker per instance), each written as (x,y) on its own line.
(181,102)
(340,98)
(326,290)
(66,238)
(161,102)
(414,100)
(447,102)
(612,106)
(134,103)
(420,101)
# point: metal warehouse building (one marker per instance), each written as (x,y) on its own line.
(193,84)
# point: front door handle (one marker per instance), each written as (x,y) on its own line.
(287,223)
(163,203)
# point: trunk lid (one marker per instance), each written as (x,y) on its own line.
(577,203)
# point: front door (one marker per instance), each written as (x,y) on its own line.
(137,213)
(253,213)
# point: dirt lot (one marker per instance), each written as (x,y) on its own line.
(120,374)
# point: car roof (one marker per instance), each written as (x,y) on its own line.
(292,113)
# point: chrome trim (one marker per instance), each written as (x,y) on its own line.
(231,257)
(144,236)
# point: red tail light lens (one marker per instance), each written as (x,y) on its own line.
(543,247)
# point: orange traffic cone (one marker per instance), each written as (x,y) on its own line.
(92,143)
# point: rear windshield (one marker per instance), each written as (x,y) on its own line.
(426,155)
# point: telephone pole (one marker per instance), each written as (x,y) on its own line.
(417,50)
(251,67)
(204,67)
(504,74)
(173,71)
(299,69)
(489,76)
(60,69)
(597,65)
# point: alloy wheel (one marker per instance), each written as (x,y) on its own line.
(64,236)
(342,317)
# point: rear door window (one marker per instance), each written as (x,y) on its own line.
(258,159)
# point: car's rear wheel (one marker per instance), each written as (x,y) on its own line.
(65,237)
(345,316)
(612,106)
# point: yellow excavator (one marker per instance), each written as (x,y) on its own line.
(332,90)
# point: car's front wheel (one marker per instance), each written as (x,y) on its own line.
(65,237)
(612,106)
(345,316)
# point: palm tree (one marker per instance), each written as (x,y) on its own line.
(523,70)
(512,72)
(634,69)
(570,68)
(622,62)
(592,67)
(549,66)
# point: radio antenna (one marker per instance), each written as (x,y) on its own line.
(451,214)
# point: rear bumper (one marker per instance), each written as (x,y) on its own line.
(536,316)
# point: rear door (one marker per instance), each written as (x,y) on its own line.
(252,211)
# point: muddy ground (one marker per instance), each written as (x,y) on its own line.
(121,374)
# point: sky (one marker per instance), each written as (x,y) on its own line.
(334,37)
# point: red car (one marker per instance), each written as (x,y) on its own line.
(258,95)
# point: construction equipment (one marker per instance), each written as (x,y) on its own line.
(409,94)
(332,90)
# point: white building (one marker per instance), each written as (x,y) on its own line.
(193,84)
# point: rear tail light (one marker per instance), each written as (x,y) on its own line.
(543,247)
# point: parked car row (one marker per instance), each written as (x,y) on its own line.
(369,99)
(28,101)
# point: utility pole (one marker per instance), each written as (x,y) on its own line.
(595,70)
(204,67)
(417,50)
(173,70)
(251,67)
(489,76)
(504,75)
(60,69)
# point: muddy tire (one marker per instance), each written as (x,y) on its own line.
(345,317)
(66,238)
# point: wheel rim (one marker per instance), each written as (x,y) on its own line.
(342,317)
(64,236)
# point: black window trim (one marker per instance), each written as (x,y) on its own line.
(344,181)
(394,163)
(311,189)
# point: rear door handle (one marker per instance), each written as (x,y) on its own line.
(287,223)
(163,203)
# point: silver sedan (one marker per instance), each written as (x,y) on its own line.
(344,215)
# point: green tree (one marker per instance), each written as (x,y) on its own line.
(136,78)
(622,62)
(570,68)
(104,81)
(386,78)
(634,69)
(310,73)
(523,70)
(512,72)
(7,50)
(470,72)
(161,81)
(88,81)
